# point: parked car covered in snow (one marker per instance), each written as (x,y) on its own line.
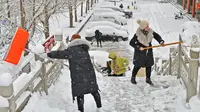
(108,33)
(103,10)
(107,16)
(128,14)
(107,23)
(163,1)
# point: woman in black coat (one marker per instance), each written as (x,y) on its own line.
(143,58)
(83,78)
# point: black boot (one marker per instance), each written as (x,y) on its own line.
(148,80)
(80,102)
(134,73)
(133,80)
(97,99)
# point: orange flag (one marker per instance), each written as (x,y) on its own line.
(17,46)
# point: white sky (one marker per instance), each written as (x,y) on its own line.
(118,94)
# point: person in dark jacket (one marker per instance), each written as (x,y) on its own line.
(83,78)
(121,6)
(143,58)
(98,38)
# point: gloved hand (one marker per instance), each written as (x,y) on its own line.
(141,48)
(162,43)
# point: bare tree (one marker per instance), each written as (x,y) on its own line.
(8,8)
(86,6)
(70,13)
(81,8)
(22,14)
(91,3)
(75,10)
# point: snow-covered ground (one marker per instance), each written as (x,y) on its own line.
(118,94)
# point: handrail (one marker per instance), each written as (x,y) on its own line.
(181,61)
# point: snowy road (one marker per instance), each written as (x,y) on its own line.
(118,94)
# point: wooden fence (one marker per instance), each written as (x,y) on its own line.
(184,64)
(40,79)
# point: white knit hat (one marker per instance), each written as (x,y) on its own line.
(143,24)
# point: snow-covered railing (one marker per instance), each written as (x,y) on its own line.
(17,94)
(185,65)
(39,79)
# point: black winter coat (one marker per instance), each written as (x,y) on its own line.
(144,58)
(98,35)
(83,78)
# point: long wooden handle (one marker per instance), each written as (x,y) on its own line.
(149,47)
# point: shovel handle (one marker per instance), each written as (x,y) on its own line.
(156,46)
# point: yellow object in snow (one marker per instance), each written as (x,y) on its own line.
(141,72)
(135,7)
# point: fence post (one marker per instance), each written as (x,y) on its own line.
(44,79)
(179,58)
(193,74)
(12,105)
(6,92)
(170,64)
(170,60)
(155,65)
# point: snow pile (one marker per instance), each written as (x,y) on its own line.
(20,82)
(5,67)
(35,100)
(3,102)
(58,31)
(100,57)
(38,49)
(194,104)
(5,79)
(191,32)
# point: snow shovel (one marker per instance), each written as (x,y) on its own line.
(168,44)
(17,46)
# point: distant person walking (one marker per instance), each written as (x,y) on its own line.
(121,6)
(98,35)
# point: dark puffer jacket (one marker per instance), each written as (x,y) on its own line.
(144,58)
(83,78)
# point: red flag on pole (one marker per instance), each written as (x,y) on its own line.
(17,46)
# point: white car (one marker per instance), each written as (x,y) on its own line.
(128,14)
(107,16)
(106,23)
(103,10)
(108,33)
(163,1)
